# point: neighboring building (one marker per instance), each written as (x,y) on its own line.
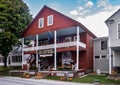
(14,58)
(1,60)
(101,54)
(57,40)
(113,23)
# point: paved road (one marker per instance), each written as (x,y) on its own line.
(22,81)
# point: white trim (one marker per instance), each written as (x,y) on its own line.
(77,60)
(48,19)
(55,51)
(42,22)
(22,51)
(117,30)
(113,58)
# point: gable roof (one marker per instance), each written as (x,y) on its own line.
(76,23)
(113,15)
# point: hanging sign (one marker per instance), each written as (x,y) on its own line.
(45,51)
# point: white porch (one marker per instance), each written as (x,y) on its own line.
(63,38)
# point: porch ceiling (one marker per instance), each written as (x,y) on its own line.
(60,32)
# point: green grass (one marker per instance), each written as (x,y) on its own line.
(53,77)
(89,79)
(4,71)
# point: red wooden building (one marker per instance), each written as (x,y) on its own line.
(56,41)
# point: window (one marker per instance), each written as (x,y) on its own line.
(119,31)
(104,56)
(16,59)
(104,45)
(1,59)
(50,20)
(97,57)
(41,23)
(91,42)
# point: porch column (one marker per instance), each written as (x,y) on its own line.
(77,52)
(36,50)
(22,51)
(55,39)
(110,69)
(109,48)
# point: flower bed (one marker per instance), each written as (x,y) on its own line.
(64,68)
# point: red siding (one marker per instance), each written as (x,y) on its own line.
(59,21)
(89,52)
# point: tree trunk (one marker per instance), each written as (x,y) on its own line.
(5,61)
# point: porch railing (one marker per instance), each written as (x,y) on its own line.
(58,45)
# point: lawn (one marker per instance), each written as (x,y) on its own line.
(4,71)
(89,79)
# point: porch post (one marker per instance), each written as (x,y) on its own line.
(36,50)
(77,60)
(22,51)
(55,65)
(109,48)
(110,69)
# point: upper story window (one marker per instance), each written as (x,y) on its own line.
(104,45)
(50,20)
(119,31)
(41,23)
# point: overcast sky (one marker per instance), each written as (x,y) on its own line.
(91,13)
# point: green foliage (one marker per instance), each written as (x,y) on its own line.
(14,16)
(7,40)
(53,77)
(89,79)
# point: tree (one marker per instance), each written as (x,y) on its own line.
(7,40)
(14,17)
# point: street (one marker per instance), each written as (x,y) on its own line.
(22,81)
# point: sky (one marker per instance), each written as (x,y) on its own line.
(91,13)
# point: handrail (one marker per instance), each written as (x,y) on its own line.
(58,45)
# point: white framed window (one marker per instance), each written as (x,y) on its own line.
(41,23)
(97,57)
(16,59)
(104,45)
(49,20)
(118,31)
(104,56)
